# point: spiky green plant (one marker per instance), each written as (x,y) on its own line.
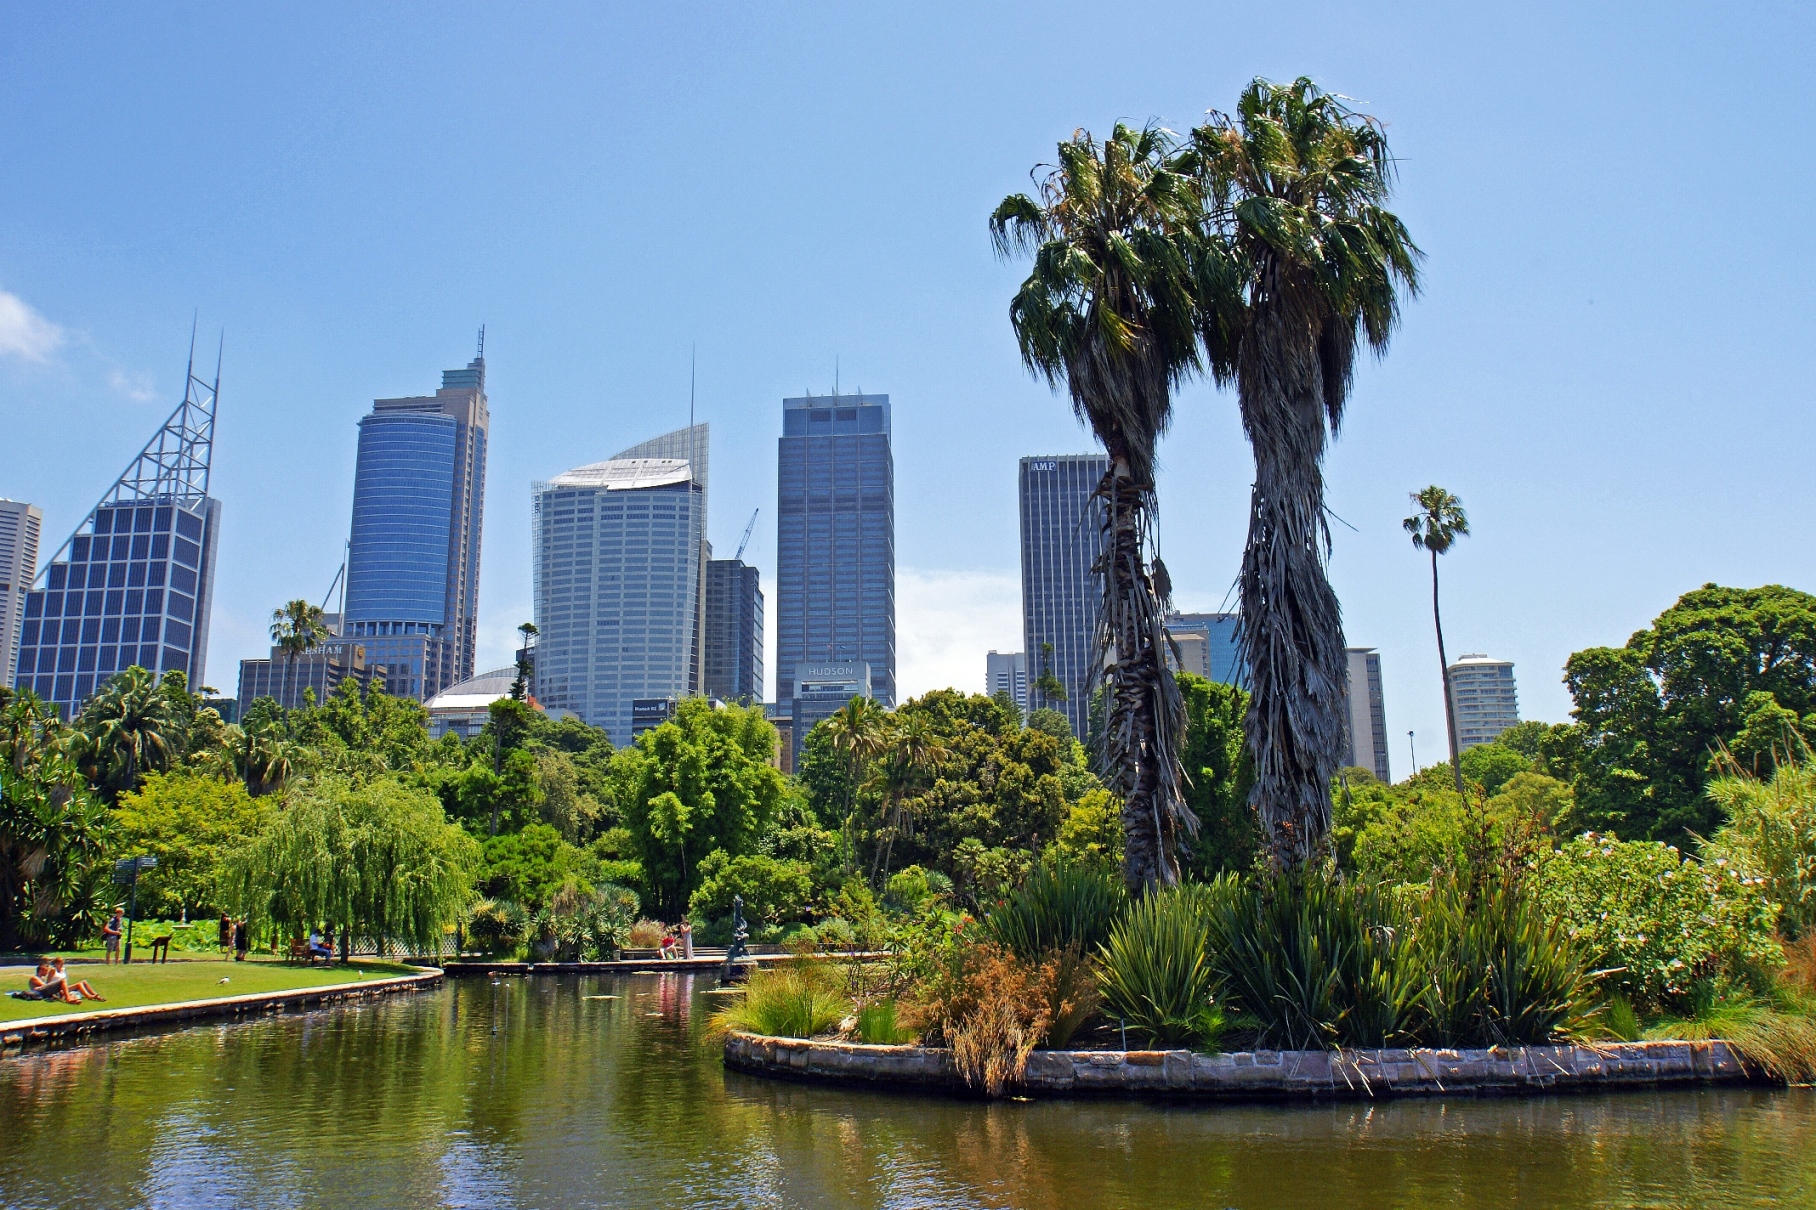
(878,1026)
(1156,973)
(1314,963)
(1057,906)
(795,1000)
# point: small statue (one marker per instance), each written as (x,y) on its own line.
(740,932)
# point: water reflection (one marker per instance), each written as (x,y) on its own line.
(598,1092)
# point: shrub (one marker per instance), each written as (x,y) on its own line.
(1156,972)
(796,1000)
(528,866)
(1500,973)
(581,924)
(1312,963)
(989,1007)
(1055,907)
(775,892)
(497,926)
(1781,1044)
(1771,835)
(1657,921)
(646,934)
(914,889)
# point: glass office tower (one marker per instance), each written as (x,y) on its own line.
(835,540)
(134,584)
(413,557)
(1061,537)
(616,563)
(734,632)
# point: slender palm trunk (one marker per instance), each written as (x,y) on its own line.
(1450,705)
(1292,626)
(1143,715)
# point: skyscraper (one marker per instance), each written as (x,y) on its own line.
(1061,537)
(820,691)
(1208,643)
(1486,701)
(616,549)
(1008,673)
(20,524)
(413,558)
(835,540)
(1365,714)
(135,582)
(734,631)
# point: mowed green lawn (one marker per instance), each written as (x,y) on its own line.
(143,983)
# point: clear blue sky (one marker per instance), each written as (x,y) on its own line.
(1607,364)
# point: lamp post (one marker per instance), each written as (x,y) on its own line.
(1412,752)
(126,874)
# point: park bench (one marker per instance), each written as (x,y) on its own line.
(300,952)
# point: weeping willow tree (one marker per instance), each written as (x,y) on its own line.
(378,860)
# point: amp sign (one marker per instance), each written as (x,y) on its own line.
(1044,464)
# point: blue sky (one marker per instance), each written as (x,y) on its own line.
(1607,363)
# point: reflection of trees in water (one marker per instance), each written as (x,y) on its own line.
(526,1092)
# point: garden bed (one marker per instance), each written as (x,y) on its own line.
(1264,1074)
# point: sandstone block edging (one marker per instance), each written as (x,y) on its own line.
(1266,1074)
(17,1036)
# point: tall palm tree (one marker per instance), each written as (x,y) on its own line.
(911,749)
(128,729)
(520,688)
(1108,311)
(1299,263)
(298,628)
(857,731)
(1439,522)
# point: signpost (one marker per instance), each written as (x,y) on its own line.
(126,874)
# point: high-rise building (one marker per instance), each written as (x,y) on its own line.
(1485,699)
(1365,713)
(413,558)
(734,632)
(617,549)
(1008,673)
(135,583)
(835,540)
(20,524)
(1061,537)
(320,670)
(820,691)
(1208,646)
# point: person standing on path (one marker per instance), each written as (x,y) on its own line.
(687,939)
(110,934)
(242,941)
(226,935)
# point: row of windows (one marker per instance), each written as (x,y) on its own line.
(120,575)
(93,630)
(70,689)
(110,602)
(95,659)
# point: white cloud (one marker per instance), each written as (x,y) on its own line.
(136,387)
(24,333)
(946,621)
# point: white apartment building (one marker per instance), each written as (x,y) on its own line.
(1483,695)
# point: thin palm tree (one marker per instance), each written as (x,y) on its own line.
(857,731)
(1299,263)
(298,628)
(1437,524)
(1108,311)
(520,688)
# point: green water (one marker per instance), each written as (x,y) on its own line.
(528,1093)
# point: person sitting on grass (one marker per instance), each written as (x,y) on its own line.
(319,948)
(75,992)
(38,986)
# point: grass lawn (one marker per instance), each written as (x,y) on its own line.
(170,982)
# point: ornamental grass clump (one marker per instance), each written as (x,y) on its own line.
(1498,972)
(798,999)
(1156,971)
(1057,919)
(989,1007)
(877,1025)
(1311,963)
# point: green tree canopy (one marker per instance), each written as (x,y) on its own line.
(1219,775)
(377,858)
(1654,712)
(701,781)
(53,831)
(190,822)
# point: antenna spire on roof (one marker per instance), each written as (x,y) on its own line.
(482,343)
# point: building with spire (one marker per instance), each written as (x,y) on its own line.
(619,581)
(133,585)
(413,556)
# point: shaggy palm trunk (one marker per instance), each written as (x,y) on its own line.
(1450,705)
(1144,718)
(1292,628)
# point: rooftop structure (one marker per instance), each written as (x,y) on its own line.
(465,708)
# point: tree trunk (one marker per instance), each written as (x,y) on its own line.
(1450,706)
(1292,626)
(1143,715)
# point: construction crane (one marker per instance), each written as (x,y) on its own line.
(745,540)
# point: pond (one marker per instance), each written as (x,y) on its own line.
(574,1092)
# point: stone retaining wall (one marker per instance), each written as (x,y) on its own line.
(79,1027)
(1291,1074)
